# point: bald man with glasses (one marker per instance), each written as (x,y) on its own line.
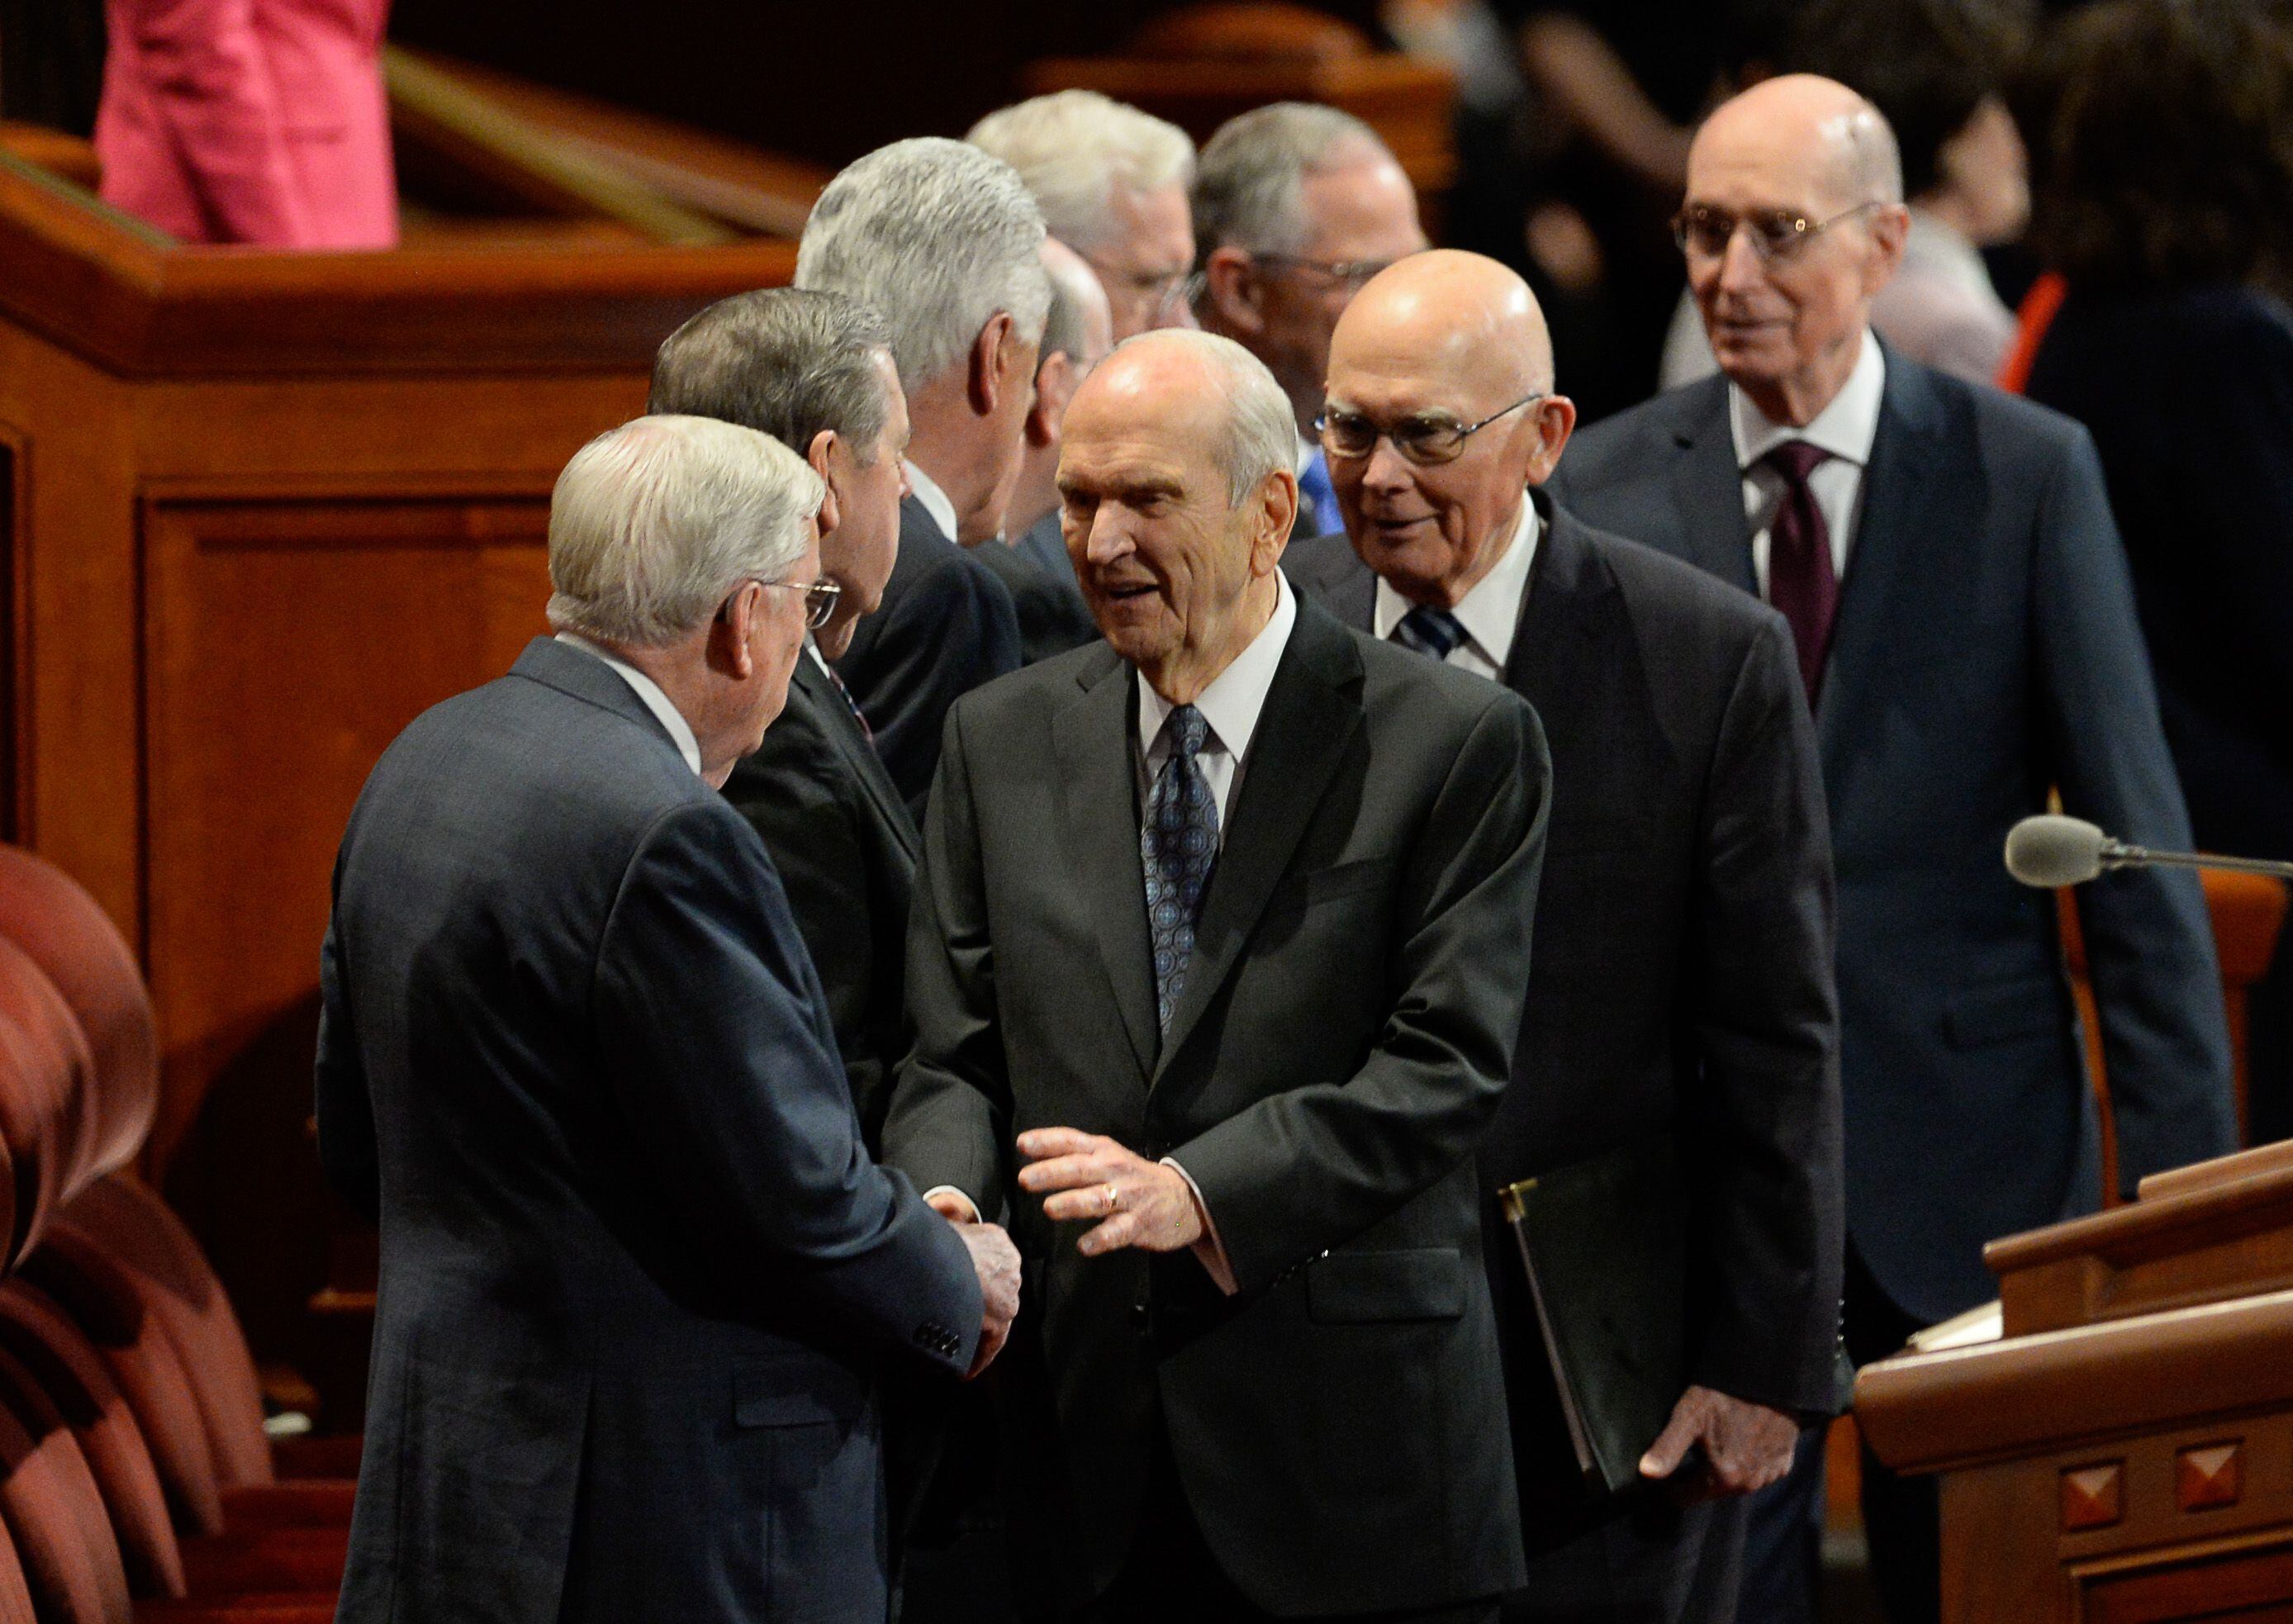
(1680,1021)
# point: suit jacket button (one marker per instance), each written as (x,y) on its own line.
(1141,1315)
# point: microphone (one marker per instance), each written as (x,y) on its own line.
(2048,851)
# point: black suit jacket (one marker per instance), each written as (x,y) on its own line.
(1985,650)
(1346,1030)
(1053,616)
(846,851)
(1684,945)
(2189,394)
(945,626)
(637,1270)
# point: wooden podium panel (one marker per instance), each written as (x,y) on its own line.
(2123,1453)
(261,509)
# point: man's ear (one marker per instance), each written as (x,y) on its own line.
(1277,512)
(1055,386)
(989,363)
(1891,229)
(1232,291)
(821,455)
(1555,417)
(728,634)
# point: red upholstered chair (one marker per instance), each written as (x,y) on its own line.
(84,956)
(15,1594)
(46,1072)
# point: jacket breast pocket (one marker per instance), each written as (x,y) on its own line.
(1384,1287)
(1328,884)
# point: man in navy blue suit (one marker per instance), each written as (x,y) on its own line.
(1946,558)
(638,1272)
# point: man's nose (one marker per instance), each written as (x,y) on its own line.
(1106,539)
(1741,269)
(1386,468)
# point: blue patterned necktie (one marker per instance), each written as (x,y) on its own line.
(1320,497)
(1434,632)
(1178,843)
(850,704)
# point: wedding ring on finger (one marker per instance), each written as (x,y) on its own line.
(1113,1200)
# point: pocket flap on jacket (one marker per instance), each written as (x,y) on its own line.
(810,1392)
(1363,1287)
(1981,1016)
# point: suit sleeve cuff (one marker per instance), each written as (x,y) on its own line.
(1210,1250)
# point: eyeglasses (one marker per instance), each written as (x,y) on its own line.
(819,598)
(1350,274)
(1158,289)
(1704,232)
(1428,441)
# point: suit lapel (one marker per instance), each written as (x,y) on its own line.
(1905,492)
(1707,487)
(1098,805)
(1312,710)
(844,731)
(1565,584)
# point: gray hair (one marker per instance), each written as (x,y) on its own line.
(1248,190)
(1074,146)
(1261,431)
(656,523)
(784,361)
(936,236)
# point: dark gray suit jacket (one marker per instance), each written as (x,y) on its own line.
(846,849)
(945,626)
(1684,946)
(1053,615)
(1985,650)
(1346,1030)
(637,1270)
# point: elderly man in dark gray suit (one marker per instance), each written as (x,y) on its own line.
(638,1272)
(1246,1000)
(1964,628)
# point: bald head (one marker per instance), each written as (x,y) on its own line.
(1793,220)
(1440,416)
(1806,130)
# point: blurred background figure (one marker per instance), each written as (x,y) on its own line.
(1937,70)
(249,121)
(1112,183)
(2163,203)
(1296,206)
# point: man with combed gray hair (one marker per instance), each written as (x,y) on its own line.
(1112,183)
(1295,206)
(1246,1002)
(814,371)
(573,1058)
(941,241)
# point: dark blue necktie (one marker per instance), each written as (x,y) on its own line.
(1319,498)
(1430,631)
(1178,843)
(850,704)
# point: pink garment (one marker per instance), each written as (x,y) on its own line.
(256,121)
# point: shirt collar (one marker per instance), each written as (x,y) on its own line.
(925,489)
(1306,450)
(1231,704)
(664,709)
(1845,428)
(1490,613)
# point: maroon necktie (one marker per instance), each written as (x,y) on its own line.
(1802,583)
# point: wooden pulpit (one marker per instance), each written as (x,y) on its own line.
(2120,1451)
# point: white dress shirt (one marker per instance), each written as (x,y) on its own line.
(1490,613)
(680,731)
(1230,705)
(925,489)
(1845,428)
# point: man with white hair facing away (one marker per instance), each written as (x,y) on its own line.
(942,242)
(1965,631)
(1296,206)
(1112,183)
(1247,999)
(638,1273)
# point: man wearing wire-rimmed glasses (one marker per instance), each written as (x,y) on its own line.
(1296,206)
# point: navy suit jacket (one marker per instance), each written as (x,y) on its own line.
(1985,651)
(637,1270)
(1682,976)
(945,626)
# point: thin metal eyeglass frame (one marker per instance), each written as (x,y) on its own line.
(1456,446)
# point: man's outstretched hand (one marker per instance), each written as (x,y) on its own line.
(996,1261)
(1749,1446)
